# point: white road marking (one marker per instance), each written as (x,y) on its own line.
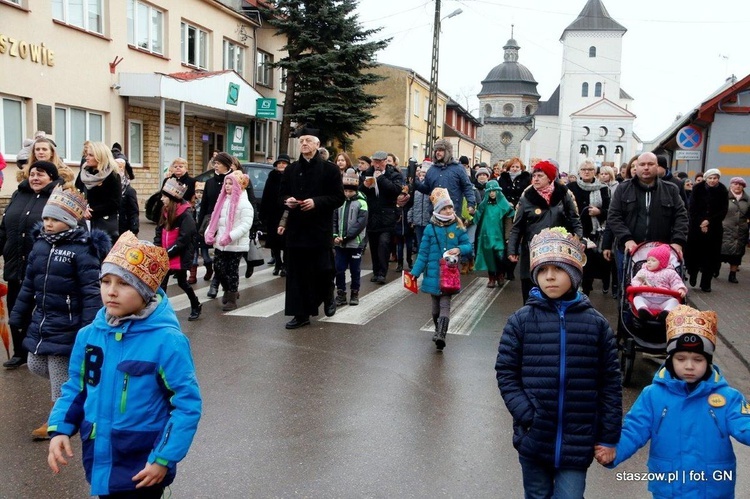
(468,307)
(181,302)
(371,305)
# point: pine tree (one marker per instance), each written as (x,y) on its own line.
(326,68)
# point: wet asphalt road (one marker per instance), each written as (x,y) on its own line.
(330,410)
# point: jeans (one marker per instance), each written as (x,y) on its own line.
(203,250)
(348,258)
(419,232)
(380,250)
(542,481)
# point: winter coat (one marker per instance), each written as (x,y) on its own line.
(666,278)
(436,241)
(451,176)
(128,219)
(381,205)
(133,396)
(60,293)
(211,191)
(271,210)
(513,188)
(240,233)
(666,220)
(704,250)
(421,211)
(533,214)
(181,240)
(583,202)
(559,376)
(104,201)
(320,181)
(23,212)
(490,219)
(735,235)
(690,433)
(350,222)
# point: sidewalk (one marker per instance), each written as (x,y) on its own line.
(732,304)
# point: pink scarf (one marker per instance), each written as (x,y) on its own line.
(233,202)
(546,192)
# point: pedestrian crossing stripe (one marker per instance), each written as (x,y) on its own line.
(468,307)
(371,305)
(181,301)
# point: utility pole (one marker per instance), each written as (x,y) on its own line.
(432,106)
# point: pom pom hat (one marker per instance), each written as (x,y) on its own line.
(661,253)
(67,206)
(547,168)
(139,263)
(691,330)
(174,190)
(557,247)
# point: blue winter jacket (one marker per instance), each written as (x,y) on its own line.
(558,373)
(689,432)
(60,293)
(451,176)
(133,395)
(436,241)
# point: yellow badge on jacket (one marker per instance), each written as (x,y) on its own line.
(451,235)
(745,409)
(716,400)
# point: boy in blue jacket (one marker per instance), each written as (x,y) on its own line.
(558,373)
(349,237)
(132,392)
(688,412)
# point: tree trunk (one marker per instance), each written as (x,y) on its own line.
(286,122)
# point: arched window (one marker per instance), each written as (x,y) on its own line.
(488,110)
(506,138)
(528,110)
(508,109)
(598,89)
(592,51)
(585,90)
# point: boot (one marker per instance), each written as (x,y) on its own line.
(231,303)
(213,290)
(209,271)
(491,284)
(195,312)
(442,331)
(340,297)
(40,433)
(733,277)
(192,279)
(225,298)
(249,271)
(354,299)
(464,268)
(435,321)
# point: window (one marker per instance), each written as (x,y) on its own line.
(416,103)
(85,14)
(234,57)
(145,27)
(603,131)
(73,127)
(586,131)
(592,51)
(508,109)
(264,72)
(135,142)
(194,46)
(506,138)
(282,80)
(426,110)
(529,110)
(488,109)
(598,90)
(585,90)
(439,117)
(261,136)
(11,126)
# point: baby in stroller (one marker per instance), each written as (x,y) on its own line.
(656,272)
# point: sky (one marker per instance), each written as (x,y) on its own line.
(675,52)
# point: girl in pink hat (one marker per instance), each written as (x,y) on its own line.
(657,273)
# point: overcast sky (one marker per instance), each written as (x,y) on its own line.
(675,53)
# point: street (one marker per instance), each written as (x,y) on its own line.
(358,405)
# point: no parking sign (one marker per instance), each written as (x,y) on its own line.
(689,137)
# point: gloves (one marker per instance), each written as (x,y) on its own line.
(225,240)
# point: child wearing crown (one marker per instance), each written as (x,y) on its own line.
(688,413)
(132,393)
(60,293)
(558,372)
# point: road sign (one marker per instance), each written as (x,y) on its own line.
(687,155)
(689,137)
(265,108)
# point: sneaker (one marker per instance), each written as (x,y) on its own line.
(354,300)
(195,312)
(380,279)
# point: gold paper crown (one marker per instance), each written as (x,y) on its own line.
(557,245)
(69,200)
(147,262)
(174,189)
(687,320)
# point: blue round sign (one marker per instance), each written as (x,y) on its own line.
(689,137)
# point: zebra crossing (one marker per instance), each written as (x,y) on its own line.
(467,308)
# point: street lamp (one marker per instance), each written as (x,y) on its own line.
(432,105)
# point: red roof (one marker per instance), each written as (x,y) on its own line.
(708,109)
(196,75)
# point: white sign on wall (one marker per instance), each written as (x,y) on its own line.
(687,155)
(171,147)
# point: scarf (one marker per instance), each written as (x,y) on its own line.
(546,192)
(125,182)
(595,199)
(55,238)
(738,197)
(514,175)
(92,177)
(234,201)
(444,221)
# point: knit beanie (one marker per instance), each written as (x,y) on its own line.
(67,206)
(139,263)
(350,179)
(661,253)
(482,171)
(557,247)
(547,168)
(691,330)
(47,167)
(711,171)
(440,199)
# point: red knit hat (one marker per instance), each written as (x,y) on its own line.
(661,253)
(548,169)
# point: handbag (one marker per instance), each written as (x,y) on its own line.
(254,253)
(450,277)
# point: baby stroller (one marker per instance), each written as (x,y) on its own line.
(633,333)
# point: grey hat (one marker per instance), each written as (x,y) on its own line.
(143,289)
(380,155)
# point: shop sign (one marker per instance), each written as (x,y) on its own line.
(238,135)
(265,108)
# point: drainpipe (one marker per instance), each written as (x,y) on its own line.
(408,117)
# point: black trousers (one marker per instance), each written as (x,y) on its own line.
(181,276)
(380,251)
(309,280)
(145,493)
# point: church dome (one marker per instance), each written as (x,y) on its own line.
(510,77)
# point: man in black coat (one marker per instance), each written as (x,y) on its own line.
(311,189)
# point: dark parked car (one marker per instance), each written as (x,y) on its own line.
(258,173)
